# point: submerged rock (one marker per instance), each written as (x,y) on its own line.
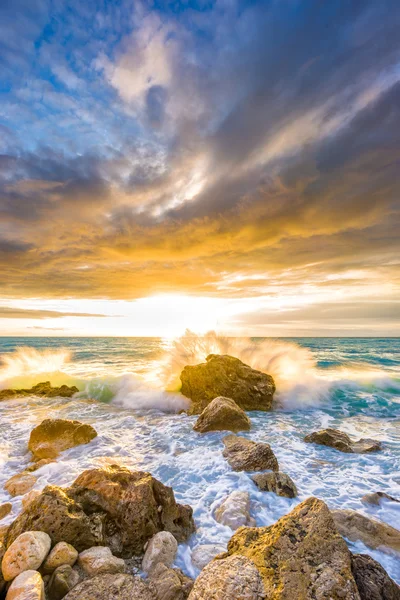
(64,579)
(204,553)
(279,483)
(341,441)
(373,533)
(234,511)
(162,548)
(372,580)
(375,498)
(233,578)
(170,584)
(245,455)
(223,375)
(27,586)
(112,587)
(53,436)
(302,556)
(222,414)
(40,389)
(26,553)
(111,507)
(20,484)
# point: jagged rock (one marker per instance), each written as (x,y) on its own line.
(234,511)
(64,579)
(61,554)
(53,436)
(170,584)
(20,483)
(223,375)
(245,455)
(26,553)
(376,497)
(372,580)
(40,389)
(205,553)
(99,560)
(162,548)
(2,581)
(301,556)
(111,507)
(27,586)
(112,587)
(5,509)
(222,414)
(279,483)
(341,441)
(27,498)
(233,578)
(373,533)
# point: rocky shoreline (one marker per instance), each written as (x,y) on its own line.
(114,533)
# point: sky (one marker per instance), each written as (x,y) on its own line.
(228,165)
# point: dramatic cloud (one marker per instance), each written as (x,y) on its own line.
(226,149)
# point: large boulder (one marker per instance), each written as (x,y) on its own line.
(223,375)
(53,436)
(279,483)
(302,556)
(43,389)
(233,578)
(111,507)
(112,587)
(222,414)
(170,584)
(162,548)
(27,586)
(373,533)
(246,455)
(234,511)
(26,553)
(372,580)
(341,441)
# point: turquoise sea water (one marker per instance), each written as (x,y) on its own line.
(351,384)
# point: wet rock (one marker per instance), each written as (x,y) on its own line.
(234,512)
(233,578)
(61,554)
(301,556)
(26,553)
(27,586)
(279,483)
(40,389)
(245,455)
(99,560)
(373,533)
(3,533)
(27,499)
(112,587)
(111,507)
(372,580)
(63,580)
(223,375)
(376,497)
(222,414)
(205,553)
(170,584)
(39,464)
(341,441)
(53,436)
(20,483)
(162,548)
(5,509)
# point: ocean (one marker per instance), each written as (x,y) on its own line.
(129,393)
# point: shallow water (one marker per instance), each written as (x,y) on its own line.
(351,384)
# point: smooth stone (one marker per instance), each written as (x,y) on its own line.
(27,586)
(279,483)
(61,554)
(5,509)
(205,553)
(63,580)
(234,511)
(170,584)
(99,560)
(53,436)
(112,587)
(222,414)
(375,498)
(372,580)
(162,548)
(26,553)
(245,455)
(373,533)
(20,484)
(341,441)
